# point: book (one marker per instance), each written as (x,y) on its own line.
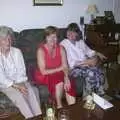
(103,103)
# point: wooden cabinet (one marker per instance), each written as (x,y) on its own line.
(102,38)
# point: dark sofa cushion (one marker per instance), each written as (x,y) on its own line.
(28,42)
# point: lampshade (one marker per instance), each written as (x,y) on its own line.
(92,9)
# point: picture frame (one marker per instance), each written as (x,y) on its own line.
(47,2)
(109,16)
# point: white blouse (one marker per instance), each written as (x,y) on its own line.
(76,52)
(12,68)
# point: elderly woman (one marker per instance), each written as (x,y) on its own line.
(13,79)
(52,68)
(83,61)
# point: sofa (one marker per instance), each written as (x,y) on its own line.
(27,41)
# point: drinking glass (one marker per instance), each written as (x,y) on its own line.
(63,114)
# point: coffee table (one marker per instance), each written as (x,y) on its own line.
(77,112)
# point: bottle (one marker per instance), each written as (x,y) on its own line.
(63,114)
(50,110)
(50,115)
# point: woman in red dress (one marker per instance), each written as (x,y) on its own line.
(52,68)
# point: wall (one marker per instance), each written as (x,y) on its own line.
(116,8)
(21,14)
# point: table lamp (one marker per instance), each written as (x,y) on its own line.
(92,10)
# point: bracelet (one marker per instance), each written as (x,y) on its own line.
(66,70)
(14,86)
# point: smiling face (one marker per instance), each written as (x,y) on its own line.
(5,43)
(73,32)
(51,40)
(51,36)
(6,37)
(71,35)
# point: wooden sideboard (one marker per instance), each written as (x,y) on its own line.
(103,27)
(102,38)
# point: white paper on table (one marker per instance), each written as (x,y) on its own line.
(101,101)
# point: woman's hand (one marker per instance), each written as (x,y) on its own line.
(91,62)
(87,63)
(65,70)
(67,84)
(22,88)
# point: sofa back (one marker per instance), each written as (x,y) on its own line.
(29,39)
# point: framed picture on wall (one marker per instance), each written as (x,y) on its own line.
(47,2)
(109,17)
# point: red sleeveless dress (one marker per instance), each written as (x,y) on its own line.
(51,80)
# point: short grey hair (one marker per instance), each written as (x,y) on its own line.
(5,31)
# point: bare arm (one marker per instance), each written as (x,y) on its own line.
(64,61)
(41,64)
(91,61)
(67,84)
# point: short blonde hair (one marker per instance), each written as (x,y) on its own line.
(5,31)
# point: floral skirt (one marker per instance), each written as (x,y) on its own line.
(93,78)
